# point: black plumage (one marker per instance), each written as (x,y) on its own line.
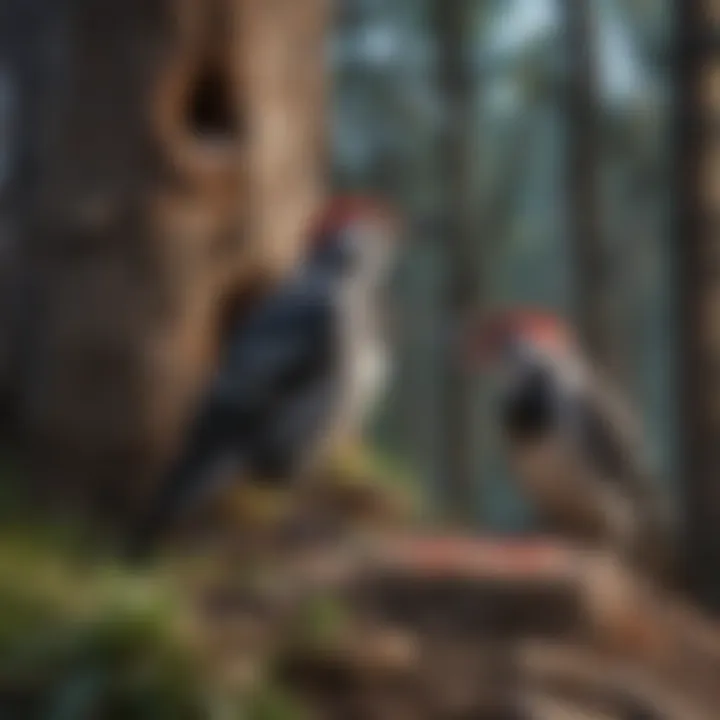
(528,408)
(270,403)
(305,365)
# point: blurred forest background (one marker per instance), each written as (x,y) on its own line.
(474,116)
(159,163)
(547,152)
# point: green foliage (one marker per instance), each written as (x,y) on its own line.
(94,641)
(273,703)
(79,641)
(382,480)
(321,622)
(363,463)
(88,639)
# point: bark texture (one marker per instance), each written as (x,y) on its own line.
(453,21)
(696,248)
(171,157)
(588,251)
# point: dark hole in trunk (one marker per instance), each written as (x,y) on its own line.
(213,115)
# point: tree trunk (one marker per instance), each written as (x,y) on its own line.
(453,22)
(696,248)
(590,261)
(173,158)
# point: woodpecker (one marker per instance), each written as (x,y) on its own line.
(573,444)
(301,370)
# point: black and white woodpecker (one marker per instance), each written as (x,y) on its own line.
(301,370)
(574,446)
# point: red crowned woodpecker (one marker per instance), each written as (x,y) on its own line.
(305,365)
(574,446)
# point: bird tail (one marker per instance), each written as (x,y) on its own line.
(658,532)
(198,475)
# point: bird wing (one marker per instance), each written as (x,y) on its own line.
(287,338)
(283,343)
(290,440)
(642,509)
(610,433)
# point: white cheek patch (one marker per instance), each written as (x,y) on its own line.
(573,373)
(371,371)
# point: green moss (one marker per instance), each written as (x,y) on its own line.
(82,638)
(321,621)
(274,703)
(363,465)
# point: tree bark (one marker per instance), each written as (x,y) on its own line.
(590,261)
(453,22)
(696,249)
(172,161)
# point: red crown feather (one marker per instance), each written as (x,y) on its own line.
(344,210)
(540,327)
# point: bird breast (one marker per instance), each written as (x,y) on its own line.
(366,371)
(370,371)
(364,364)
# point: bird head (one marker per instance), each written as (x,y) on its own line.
(357,234)
(517,335)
